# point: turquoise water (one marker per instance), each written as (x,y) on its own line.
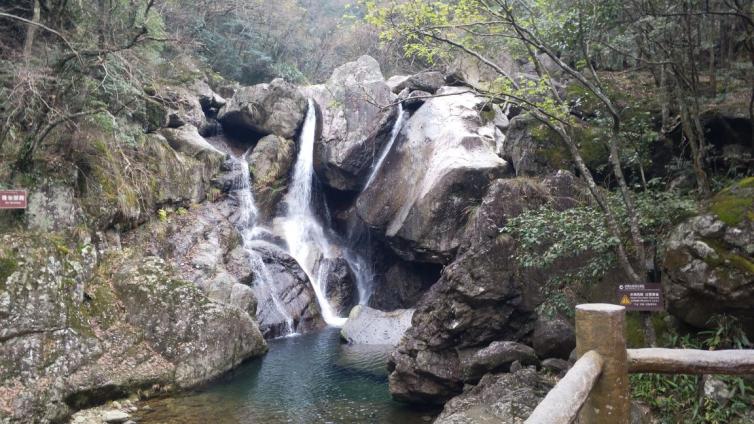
(305,379)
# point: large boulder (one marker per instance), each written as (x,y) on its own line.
(708,261)
(435,174)
(270,166)
(355,127)
(478,300)
(169,310)
(191,105)
(470,70)
(370,326)
(396,82)
(536,150)
(285,297)
(498,398)
(528,146)
(498,356)
(275,108)
(79,329)
(553,337)
(428,81)
(187,140)
(340,286)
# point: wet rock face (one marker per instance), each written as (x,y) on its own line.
(498,398)
(270,166)
(355,127)
(437,171)
(280,284)
(709,269)
(403,285)
(340,286)
(275,108)
(206,248)
(370,326)
(80,329)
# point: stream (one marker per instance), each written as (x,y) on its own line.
(305,379)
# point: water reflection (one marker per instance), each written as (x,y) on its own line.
(307,379)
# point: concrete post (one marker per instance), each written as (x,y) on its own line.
(601,327)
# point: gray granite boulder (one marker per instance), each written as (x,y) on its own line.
(355,127)
(370,326)
(275,108)
(439,168)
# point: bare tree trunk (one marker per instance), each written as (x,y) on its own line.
(594,190)
(531,39)
(712,72)
(30,31)
(750,47)
(696,144)
(664,101)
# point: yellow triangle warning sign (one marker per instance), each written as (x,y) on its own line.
(625,300)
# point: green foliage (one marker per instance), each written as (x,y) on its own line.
(676,398)
(548,239)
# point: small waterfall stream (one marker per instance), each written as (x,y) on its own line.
(245,221)
(393,135)
(306,238)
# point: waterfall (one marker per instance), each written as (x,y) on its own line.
(245,221)
(302,232)
(393,135)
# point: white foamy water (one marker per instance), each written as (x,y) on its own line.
(304,235)
(245,221)
(393,135)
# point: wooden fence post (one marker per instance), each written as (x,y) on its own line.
(601,327)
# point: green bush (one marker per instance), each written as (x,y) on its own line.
(678,399)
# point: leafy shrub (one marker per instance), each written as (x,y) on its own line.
(547,235)
(678,398)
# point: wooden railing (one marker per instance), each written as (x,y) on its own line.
(596,388)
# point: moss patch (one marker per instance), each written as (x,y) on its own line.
(735,204)
(635,331)
(8,266)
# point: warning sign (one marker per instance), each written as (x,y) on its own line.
(641,297)
(13,199)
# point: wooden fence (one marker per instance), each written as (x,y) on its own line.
(596,388)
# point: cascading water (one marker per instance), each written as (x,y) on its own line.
(393,135)
(307,240)
(305,236)
(245,221)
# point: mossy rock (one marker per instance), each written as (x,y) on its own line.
(636,335)
(156,115)
(8,265)
(556,155)
(735,204)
